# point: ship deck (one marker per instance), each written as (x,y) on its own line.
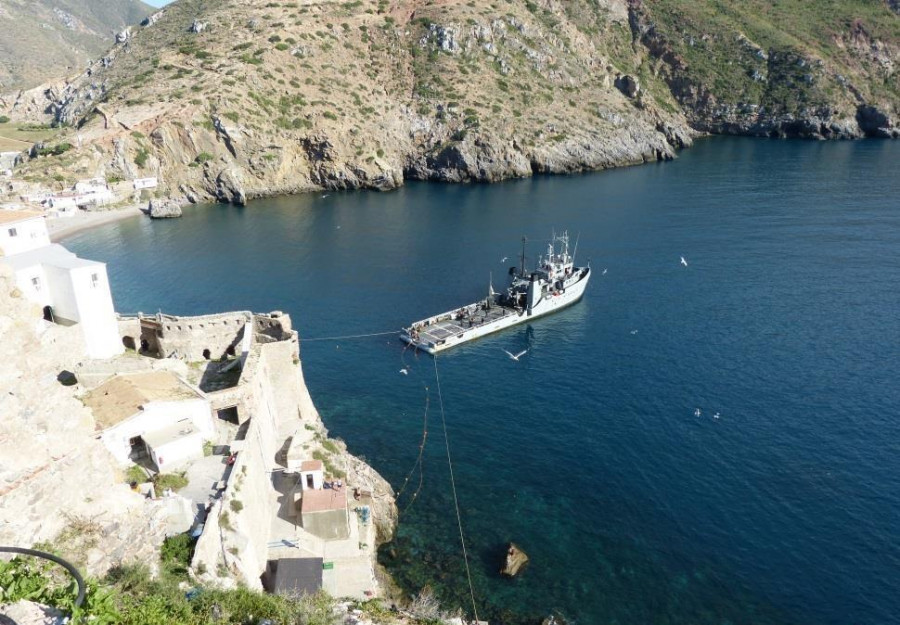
(450,327)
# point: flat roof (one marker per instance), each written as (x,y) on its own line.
(12,216)
(160,438)
(323,500)
(311,465)
(297,576)
(123,395)
(53,255)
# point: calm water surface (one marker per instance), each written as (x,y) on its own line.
(587,453)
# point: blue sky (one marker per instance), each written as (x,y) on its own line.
(157,3)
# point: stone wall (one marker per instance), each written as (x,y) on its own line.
(194,338)
(270,391)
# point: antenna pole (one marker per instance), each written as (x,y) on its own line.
(575,251)
(522,264)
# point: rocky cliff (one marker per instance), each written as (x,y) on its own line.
(42,40)
(236,99)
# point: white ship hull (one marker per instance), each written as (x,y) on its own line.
(450,329)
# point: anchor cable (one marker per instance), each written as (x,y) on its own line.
(462,539)
(349,336)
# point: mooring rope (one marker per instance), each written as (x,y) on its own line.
(349,336)
(462,539)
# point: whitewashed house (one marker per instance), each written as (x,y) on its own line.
(70,290)
(152,415)
(145,183)
(21,231)
(93,192)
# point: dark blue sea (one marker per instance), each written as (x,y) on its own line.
(587,453)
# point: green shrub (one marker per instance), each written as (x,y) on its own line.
(175,481)
(203,157)
(176,553)
(141,157)
(134,473)
(236,506)
(4,119)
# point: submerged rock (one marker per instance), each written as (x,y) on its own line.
(514,561)
(165,209)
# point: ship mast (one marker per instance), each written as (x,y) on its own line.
(522,264)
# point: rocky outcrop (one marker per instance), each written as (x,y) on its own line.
(30,613)
(513,561)
(163,209)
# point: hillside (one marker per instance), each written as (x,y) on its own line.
(42,40)
(242,98)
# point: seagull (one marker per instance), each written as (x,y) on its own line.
(517,356)
(504,259)
(404,371)
(634,331)
(697,412)
(716,416)
(604,272)
(683,261)
(325,196)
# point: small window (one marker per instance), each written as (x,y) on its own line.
(13,233)
(36,283)
(95,280)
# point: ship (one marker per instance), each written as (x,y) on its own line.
(554,284)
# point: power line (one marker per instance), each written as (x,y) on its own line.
(462,539)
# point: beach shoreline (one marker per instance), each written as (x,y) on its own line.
(62,227)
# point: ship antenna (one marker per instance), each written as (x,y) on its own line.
(522,264)
(575,251)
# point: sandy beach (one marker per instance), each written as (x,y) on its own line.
(61,227)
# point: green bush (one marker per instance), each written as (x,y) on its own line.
(134,473)
(203,157)
(141,157)
(175,481)
(176,554)
(236,506)
(4,119)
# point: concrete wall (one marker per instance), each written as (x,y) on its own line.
(171,455)
(155,416)
(328,524)
(38,293)
(95,311)
(29,234)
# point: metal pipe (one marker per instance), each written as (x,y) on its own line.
(63,563)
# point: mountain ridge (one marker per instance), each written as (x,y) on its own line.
(41,40)
(245,98)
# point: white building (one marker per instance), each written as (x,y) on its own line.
(71,290)
(153,415)
(145,183)
(21,231)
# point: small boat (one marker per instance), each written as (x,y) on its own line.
(554,284)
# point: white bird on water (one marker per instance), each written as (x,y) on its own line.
(404,371)
(604,272)
(325,196)
(634,331)
(697,412)
(516,356)
(504,259)
(683,261)
(716,416)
